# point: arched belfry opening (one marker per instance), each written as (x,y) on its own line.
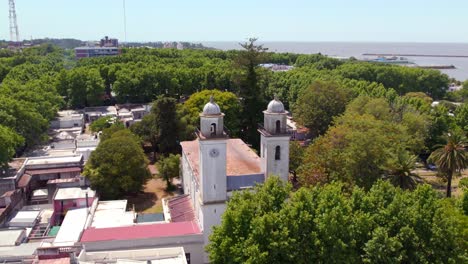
(278,127)
(278,153)
(213,129)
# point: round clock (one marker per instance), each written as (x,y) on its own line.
(214,153)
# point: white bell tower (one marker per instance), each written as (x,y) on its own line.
(274,141)
(212,141)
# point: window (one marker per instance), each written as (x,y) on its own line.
(277,153)
(213,129)
(278,126)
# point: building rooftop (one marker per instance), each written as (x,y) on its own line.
(175,255)
(15,167)
(24,250)
(71,227)
(180,209)
(73,193)
(10,237)
(53,160)
(140,231)
(241,160)
(112,214)
(24,218)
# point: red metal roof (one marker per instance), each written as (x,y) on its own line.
(240,159)
(55,170)
(59,260)
(141,231)
(24,181)
(181,209)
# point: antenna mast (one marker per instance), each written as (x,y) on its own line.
(125,21)
(14,33)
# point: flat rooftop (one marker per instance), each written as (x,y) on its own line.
(9,237)
(24,218)
(71,227)
(241,160)
(74,193)
(53,160)
(175,255)
(112,214)
(142,231)
(24,250)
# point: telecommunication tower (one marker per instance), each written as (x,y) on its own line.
(14,34)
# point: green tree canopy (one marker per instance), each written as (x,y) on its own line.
(318,104)
(329,225)
(168,168)
(102,123)
(118,166)
(227,101)
(9,141)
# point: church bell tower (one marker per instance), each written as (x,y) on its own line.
(212,142)
(274,141)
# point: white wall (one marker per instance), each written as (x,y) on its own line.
(269,164)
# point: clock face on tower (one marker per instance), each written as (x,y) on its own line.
(214,153)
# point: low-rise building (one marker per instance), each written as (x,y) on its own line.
(67,119)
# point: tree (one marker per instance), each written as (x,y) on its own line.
(168,168)
(400,169)
(296,154)
(118,166)
(461,116)
(227,101)
(318,104)
(333,224)
(252,96)
(102,123)
(9,142)
(108,132)
(165,114)
(451,157)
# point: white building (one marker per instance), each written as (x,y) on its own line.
(213,165)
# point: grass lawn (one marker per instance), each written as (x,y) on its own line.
(439,183)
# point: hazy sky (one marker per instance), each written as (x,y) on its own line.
(269,20)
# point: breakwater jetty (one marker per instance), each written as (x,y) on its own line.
(415,55)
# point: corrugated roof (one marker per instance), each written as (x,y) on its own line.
(241,160)
(181,209)
(140,231)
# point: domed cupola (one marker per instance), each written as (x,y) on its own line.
(211,108)
(212,121)
(275,106)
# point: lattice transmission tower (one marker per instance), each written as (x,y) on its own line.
(14,33)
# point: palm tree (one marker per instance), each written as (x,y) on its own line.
(400,170)
(451,157)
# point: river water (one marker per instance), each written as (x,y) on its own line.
(357,49)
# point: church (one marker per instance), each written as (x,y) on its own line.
(214,165)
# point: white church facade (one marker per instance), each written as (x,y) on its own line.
(214,165)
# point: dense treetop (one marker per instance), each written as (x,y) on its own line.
(38,81)
(331,225)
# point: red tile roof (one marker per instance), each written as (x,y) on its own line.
(181,209)
(241,160)
(55,170)
(141,231)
